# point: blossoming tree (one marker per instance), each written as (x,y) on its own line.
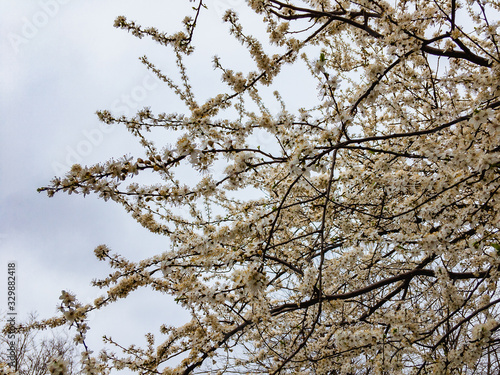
(363,239)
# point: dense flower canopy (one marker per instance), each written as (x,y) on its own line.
(363,239)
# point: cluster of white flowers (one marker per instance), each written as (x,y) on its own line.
(253,280)
(75,313)
(6,370)
(58,366)
(346,339)
(92,365)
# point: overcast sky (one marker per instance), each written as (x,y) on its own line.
(60,61)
